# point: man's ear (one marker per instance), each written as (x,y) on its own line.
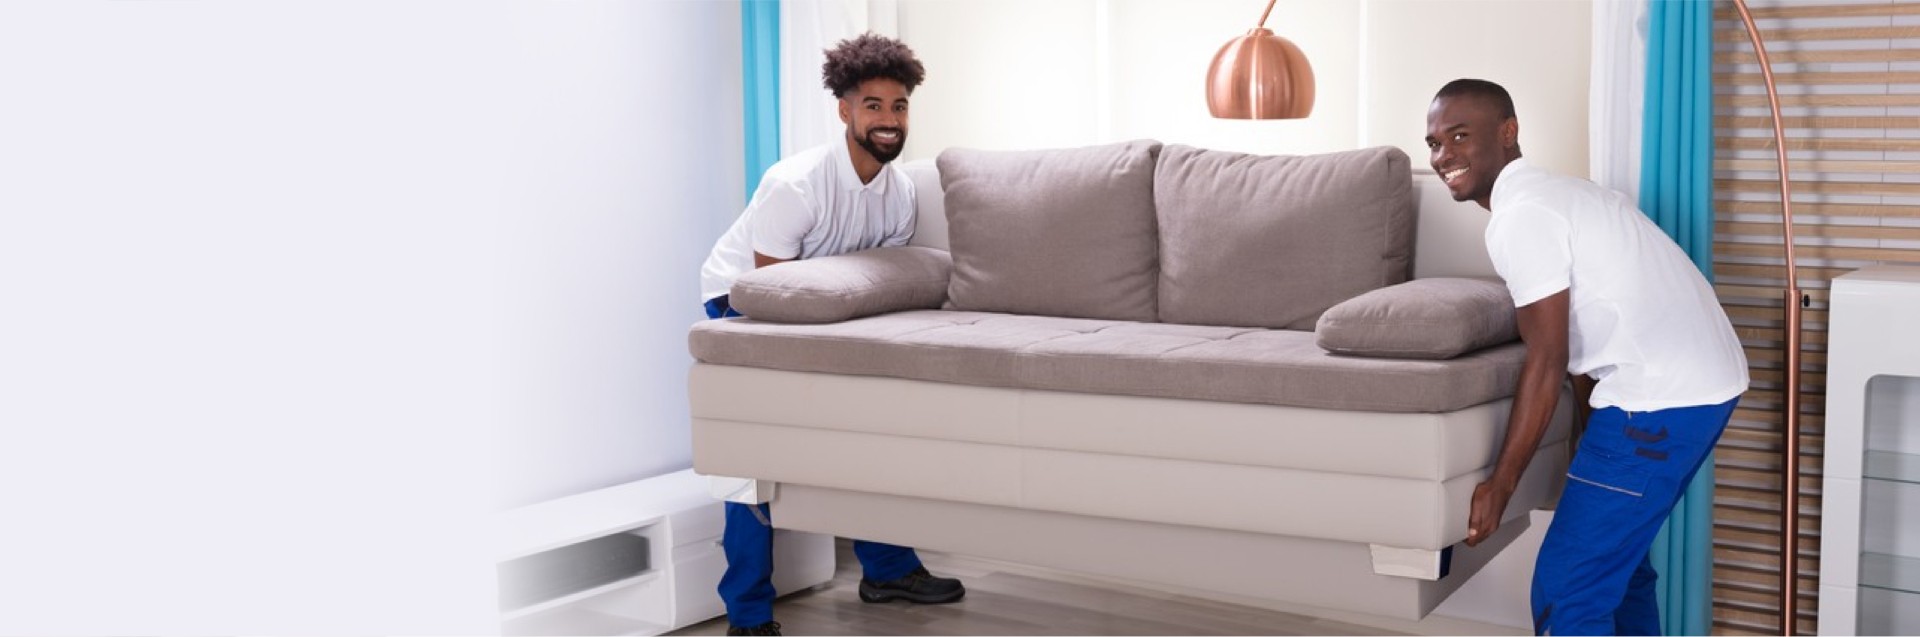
(1510,133)
(846,111)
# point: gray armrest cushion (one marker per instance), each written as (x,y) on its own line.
(847,286)
(1434,318)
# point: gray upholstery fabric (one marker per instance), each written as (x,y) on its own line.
(1053,232)
(1273,241)
(1423,318)
(841,287)
(1278,367)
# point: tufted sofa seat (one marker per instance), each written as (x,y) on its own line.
(1242,365)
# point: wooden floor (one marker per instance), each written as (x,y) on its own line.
(1011,599)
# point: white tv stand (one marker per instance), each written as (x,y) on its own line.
(681,524)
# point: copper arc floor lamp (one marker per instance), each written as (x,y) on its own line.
(1794,300)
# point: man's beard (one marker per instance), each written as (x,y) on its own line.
(880,155)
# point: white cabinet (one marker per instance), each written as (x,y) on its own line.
(680,525)
(1870,522)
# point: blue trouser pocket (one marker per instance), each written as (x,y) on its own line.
(1608,473)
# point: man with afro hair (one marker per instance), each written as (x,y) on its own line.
(832,199)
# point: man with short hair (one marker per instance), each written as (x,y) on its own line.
(1602,294)
(833,199)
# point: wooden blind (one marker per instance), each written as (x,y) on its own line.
(1849,78)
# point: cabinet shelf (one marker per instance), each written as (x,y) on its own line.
(543,606)
(1892,467)
(1890,572)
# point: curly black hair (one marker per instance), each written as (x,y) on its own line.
(867,57)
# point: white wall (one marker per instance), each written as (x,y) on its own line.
(279,279)
(625,165)
(1052,73)
(1001,74)
(1538,49)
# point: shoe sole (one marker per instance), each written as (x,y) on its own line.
(881,597)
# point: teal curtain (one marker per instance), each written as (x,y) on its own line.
(1676,191)
(760,71)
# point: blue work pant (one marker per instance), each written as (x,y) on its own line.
(747,586)
(1593,576)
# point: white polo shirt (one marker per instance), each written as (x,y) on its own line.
(812,204)
(1643,321)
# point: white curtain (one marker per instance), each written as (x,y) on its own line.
(808,115)
(1617,102)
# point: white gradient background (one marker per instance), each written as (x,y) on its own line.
(295,294)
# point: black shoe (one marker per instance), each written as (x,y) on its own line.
(919,587)
(769,628)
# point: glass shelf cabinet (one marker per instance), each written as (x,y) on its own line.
(1870,522)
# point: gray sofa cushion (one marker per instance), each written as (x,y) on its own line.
(1277,367)
(1421,319)
(1273,241)
(1053,232)
(841,287)
(1424,318)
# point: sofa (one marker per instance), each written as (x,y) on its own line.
(1276,377)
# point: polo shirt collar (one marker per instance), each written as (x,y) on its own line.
(850,178)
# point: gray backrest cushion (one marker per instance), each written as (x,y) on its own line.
(845,286)
(1273,241)
(1067,232)
(1435,318)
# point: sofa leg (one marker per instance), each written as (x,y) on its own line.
(742,490)
(1424,564)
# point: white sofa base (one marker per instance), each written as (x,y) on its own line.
(1261,501)
(1320,573)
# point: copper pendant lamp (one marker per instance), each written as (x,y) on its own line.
(1260,76)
